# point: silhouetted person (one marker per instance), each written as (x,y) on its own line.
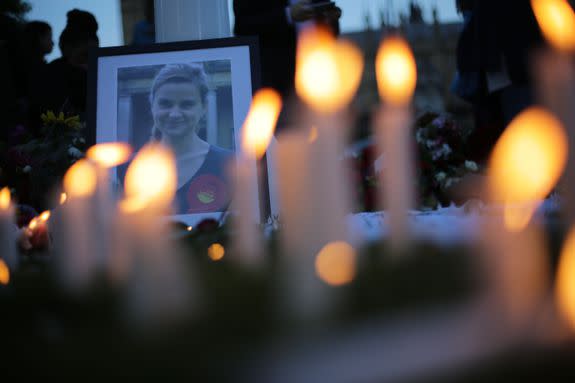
(493,59)
(10,30)
(275,23)
(144,30)
(66,77)
(35,43)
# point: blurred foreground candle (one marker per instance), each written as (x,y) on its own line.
(158,287)
(565,281)
(396,78)
(75,245)
(525,165)
(257,133)
(8,232)
(554,71)
(328,73)
(314,188)
(37,231)
(106,156)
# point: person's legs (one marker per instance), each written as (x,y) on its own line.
(514,99)
(489,124)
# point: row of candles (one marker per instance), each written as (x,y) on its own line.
(92,232)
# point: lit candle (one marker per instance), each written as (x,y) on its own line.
(106,156)
(75,246)
(555,78)
(257,133)
(158,288)
(315,194)
(328,73)
(8,230)
(525,165)
(37,231)
(396,78)
(565,281)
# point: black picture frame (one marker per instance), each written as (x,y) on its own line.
(111,67)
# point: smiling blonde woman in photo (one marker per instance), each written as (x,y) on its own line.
(178,103)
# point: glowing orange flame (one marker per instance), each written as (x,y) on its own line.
(63,198)
(260,123)
(33,224)
(557,22)
(109,154)
(529,158)
(313,134)
(4,273)
(4,198)
(396,71)
(328,72)
(151,178)
(216,252)
(45,216)
(335,263)
(565,281)
(516,218)
(80,179)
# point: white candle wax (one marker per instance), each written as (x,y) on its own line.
(158,281)
(8,237)
(517,269)
(248,241)
(393,132)
(556,91)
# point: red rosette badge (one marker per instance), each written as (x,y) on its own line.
(207,193)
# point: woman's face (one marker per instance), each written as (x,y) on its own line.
(177,109)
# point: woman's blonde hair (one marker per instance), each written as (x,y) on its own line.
(179,73)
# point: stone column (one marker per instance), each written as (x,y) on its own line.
(212,118)
(178,20)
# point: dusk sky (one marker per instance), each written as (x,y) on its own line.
(107,13)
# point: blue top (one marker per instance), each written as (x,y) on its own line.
(210,189)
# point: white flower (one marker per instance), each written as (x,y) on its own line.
(471,166)
(419,136)
(75,152)
(439,177)
(27,169)
(439,121)
(451,181)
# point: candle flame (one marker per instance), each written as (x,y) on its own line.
(4,273)
(260,123)
(63,198)
(4,198)
(45,216)
(516,218)
(109,154)
(33,224)
(565,281)
(557,22)
(529,158)
(216,252)
(328,72)
(335,263)
(151,178)
(396,71)
(80,179)
(313,134)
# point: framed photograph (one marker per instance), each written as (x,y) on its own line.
(192,96)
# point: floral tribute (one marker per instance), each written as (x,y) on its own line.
(440,147)
(34,165)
